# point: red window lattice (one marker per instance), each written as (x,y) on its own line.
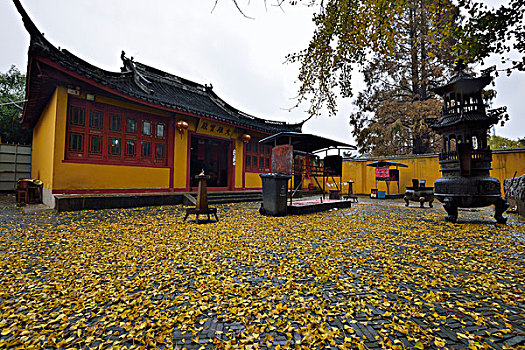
(102,133)
(257,156)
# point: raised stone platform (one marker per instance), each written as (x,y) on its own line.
(314,205)
(73,202)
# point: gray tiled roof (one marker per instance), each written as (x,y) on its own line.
(152,85)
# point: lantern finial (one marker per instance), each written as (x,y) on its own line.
(460,66)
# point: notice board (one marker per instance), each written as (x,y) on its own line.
(282,159)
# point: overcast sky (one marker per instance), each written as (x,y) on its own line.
(243,58)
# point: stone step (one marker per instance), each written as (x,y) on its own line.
(231,197)
(234,200)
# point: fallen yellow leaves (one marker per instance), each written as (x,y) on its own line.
(353,278)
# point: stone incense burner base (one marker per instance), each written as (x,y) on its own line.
(419,194)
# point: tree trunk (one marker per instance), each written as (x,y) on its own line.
(424,31)
(420,144)
(414,62)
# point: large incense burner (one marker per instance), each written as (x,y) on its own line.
(465,158)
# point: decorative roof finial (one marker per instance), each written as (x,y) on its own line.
(127,65)
(138,78)
(460,66)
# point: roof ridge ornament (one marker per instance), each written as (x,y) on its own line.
(460,70)
(139,79)
(460,66)
(37,37)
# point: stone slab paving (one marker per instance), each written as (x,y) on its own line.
(374,276)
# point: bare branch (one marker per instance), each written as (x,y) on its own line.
(237,6)
(240,10)
(214,6)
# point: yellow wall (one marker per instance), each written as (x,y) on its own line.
(49,145)
(43,144)
(505,163)
(425,167)
(101,176)
(69,175)
(239,161)
(252,180)
(180,155)
(48,164)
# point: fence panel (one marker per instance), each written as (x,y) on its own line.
(15,163)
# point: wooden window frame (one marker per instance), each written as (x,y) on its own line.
(92,113)
(261,154)
(119,142)
(162,158)
(119,118)
(135,125)
(73,120)
(81,143)
(143,124)
(163,130)
(143,149)
(133,154)
(92,144)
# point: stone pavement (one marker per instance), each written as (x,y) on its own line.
(377,275)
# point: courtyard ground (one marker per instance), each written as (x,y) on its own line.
(377,275)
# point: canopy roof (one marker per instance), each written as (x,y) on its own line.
(468,118)
(464,83)
(49,67)
(386,163)
(305,142)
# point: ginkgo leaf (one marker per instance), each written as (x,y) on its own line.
(140,278)
(439,343)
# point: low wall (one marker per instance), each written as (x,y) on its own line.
(15,163)
(76,202)
(425,167)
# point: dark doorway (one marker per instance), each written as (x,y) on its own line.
(210,155)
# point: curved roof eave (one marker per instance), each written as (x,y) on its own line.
(135,78)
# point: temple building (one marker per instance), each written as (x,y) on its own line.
(140,130)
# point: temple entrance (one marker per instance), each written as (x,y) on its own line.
(212,156)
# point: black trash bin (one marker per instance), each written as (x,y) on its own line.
(275,189)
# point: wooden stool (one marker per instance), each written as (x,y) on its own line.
(198,212)
(22,196)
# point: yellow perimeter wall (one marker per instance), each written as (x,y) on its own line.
(425,167)
(48,164)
